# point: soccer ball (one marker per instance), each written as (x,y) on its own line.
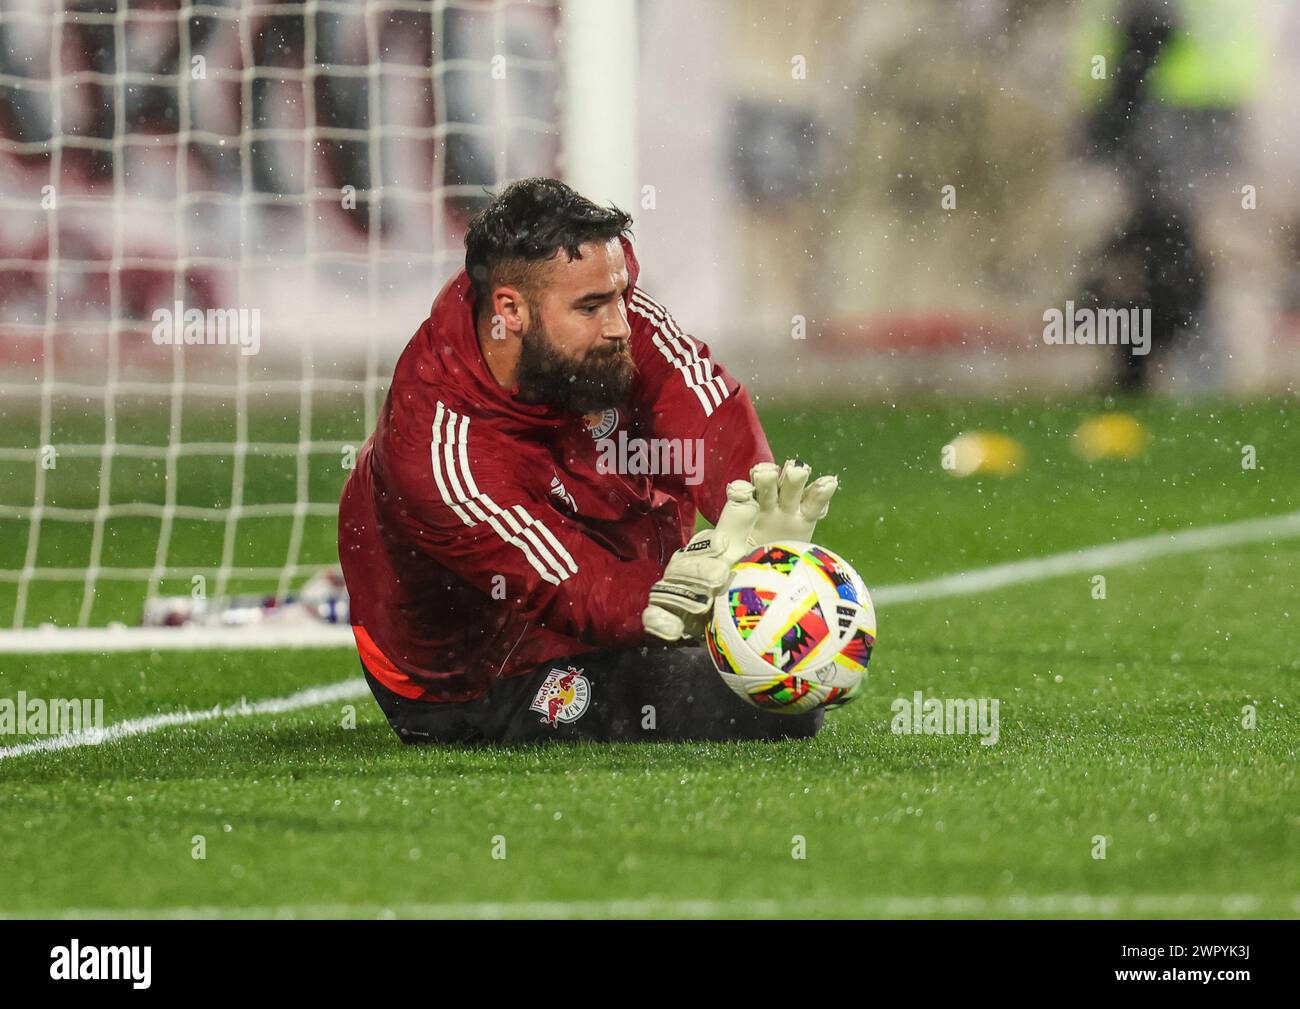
(793,630)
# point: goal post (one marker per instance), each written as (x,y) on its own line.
(221,223)
(599,43)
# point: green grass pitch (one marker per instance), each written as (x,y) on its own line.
(1120,718)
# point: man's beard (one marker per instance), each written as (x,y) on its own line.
(597,382)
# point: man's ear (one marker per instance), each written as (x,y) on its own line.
(509,311)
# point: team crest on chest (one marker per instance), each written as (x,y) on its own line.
(563,697)
(601,423)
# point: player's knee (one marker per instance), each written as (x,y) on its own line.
(781,727)
(803,726)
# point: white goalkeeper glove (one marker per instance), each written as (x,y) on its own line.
(681,601)
(789,507)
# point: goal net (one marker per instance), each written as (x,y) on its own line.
(221,223)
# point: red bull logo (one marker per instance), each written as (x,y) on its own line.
(601,423)
(563,696)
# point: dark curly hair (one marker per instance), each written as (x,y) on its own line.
(525,225)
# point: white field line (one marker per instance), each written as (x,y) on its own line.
(48,641)
(1094,559)
(58,640)
(1038,905)
(309,698)
(965,583)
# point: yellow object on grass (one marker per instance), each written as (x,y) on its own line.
(1110,436)
(982,452)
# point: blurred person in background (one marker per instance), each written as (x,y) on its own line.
(1176,80)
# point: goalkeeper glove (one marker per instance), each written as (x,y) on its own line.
(680,601)
(789,507)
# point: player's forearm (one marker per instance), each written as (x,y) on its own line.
(734,443)
(603,609)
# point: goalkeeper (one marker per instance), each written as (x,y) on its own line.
(505,585)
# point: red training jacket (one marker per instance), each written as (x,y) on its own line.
(477,535)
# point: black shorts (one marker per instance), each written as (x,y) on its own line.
(617,694)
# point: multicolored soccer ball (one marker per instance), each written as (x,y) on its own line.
(794,629)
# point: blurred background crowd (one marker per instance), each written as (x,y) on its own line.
(876,194)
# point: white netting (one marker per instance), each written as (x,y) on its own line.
(313,161)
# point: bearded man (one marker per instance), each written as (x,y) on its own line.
(509,584)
